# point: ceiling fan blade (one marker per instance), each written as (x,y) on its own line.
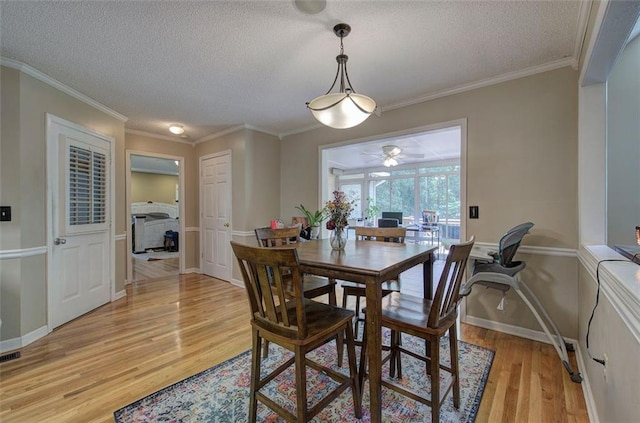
(414,156)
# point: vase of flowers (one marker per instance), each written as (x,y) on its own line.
(337,212)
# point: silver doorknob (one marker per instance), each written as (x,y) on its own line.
(226,225)
(59,241)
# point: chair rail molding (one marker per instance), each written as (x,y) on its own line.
(531,249)
(22,252)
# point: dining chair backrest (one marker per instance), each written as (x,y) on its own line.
(447,295)
(268,237)
(368,233)
(268,298)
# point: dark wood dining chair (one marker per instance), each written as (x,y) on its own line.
(294,322)
(313,287)
(355,289)
(429,320)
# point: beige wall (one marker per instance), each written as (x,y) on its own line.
(25,101)
(521,166)
(255,174)
(153,187)
(255,162)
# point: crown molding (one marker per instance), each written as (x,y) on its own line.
(301,130)
(156,136)
(258,129)
(26,69)
(557,64)
(583,20)
(569,61)
(220,134)
(234,129)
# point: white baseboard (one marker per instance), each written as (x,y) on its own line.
(16,343)
(10,345)
(120,294)
(535,335)
(586,388)
(192,270)
(237,282)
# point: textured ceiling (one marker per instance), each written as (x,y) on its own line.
(215,65)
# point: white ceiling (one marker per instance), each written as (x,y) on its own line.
(215,65)
(434,145)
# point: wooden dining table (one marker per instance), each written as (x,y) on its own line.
(370,263)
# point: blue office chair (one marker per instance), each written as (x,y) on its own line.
(499,271)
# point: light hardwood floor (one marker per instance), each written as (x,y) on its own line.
(154,269)
(170,328)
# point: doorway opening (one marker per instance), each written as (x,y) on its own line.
(418,174)
(155,210)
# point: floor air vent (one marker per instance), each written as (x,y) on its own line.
(10,356)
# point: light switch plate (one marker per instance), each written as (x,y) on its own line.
(5,213)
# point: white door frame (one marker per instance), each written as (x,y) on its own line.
(201,205)
(181,207)
(51,146)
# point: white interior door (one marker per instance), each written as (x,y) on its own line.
(79,163)
(215,206)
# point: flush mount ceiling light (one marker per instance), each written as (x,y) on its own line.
(176,129)
(344,109)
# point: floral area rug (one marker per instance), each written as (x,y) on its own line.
(221,393)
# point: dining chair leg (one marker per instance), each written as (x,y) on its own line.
(340,338)
(453,348)
(398,355)
(301,385)
(255,375)
(427,348)
(393,359)
(435,380)
(362,371)
(265,350)
(355,382)
(357,324)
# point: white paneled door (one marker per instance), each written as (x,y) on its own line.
(215,207)
(80,268)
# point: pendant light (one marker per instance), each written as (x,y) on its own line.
(344,109)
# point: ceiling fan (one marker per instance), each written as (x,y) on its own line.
(391,154)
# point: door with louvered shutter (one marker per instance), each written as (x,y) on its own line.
(80,273)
